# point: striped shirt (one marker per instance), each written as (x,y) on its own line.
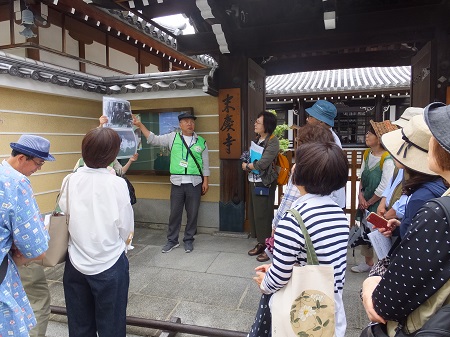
(327,226)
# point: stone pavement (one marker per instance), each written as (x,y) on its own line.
(212,286)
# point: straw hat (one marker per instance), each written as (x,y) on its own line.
(407,115)
(33,146)
(383,127)
(409,145)
(436,116)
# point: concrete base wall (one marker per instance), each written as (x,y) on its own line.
(155,213)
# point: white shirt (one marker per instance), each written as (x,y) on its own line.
(392,185)
(386,173)
(101,219)
(339,195)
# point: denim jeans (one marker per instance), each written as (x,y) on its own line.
(188,196)
(97,303)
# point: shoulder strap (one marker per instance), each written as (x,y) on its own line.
(189,152)
(266,141)
(310,252)
(366,154)
(383,157)
(3,268)
(66,183)
(395,174)
(444,202)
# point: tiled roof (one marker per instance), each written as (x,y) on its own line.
(360,80)
(339,81)
(172,80)
(152,31)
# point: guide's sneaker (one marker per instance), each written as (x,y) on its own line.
(169,246)
(188,247)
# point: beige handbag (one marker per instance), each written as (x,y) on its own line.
(58,230)
(305,305)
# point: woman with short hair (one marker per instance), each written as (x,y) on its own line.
(96,275)
(262,178)
(320,168)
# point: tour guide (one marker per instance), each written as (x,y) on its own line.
(189,172)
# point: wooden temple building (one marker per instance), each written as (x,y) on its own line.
(60,58)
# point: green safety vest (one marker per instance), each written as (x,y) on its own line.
(179,152)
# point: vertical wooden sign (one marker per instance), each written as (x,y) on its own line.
(230,123)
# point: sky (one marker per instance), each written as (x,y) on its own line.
(176,21)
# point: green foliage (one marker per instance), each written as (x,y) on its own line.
(279,133)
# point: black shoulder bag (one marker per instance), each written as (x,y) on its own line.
(439,323)
(131,191)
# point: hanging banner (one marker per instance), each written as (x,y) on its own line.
(230,123)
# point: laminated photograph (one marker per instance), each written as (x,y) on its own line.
(120,119)
(118,112)
(128,145)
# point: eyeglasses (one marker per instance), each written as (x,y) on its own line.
(38,164)
(258,122)
(369,133)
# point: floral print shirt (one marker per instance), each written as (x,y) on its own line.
(21,224)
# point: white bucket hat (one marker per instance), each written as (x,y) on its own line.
(409,145)
(407,115)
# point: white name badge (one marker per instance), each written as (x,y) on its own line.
(183,163)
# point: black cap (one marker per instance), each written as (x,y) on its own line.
(186,115)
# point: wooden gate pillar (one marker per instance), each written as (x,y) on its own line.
(430,73)
(241,76)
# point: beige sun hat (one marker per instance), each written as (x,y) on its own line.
(383,127)
(409,145)
(407,115)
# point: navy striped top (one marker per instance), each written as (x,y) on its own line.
(328,228)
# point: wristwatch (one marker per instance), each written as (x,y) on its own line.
(247,168)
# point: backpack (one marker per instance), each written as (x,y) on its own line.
(437,326)
(283,168)
(131,191)
(383,157)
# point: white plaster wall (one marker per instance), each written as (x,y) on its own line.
(98,71)
(4,36)
(5,39)
(96,52)
(51,37)
(151,69)
(71,45)
(122,61)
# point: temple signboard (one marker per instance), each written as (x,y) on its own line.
(230,123)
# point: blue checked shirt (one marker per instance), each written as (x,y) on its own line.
(291,194)
(21,224)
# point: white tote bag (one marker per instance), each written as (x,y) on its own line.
(305,306)
(58,230)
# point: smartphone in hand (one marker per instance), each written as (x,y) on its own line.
(377,221)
